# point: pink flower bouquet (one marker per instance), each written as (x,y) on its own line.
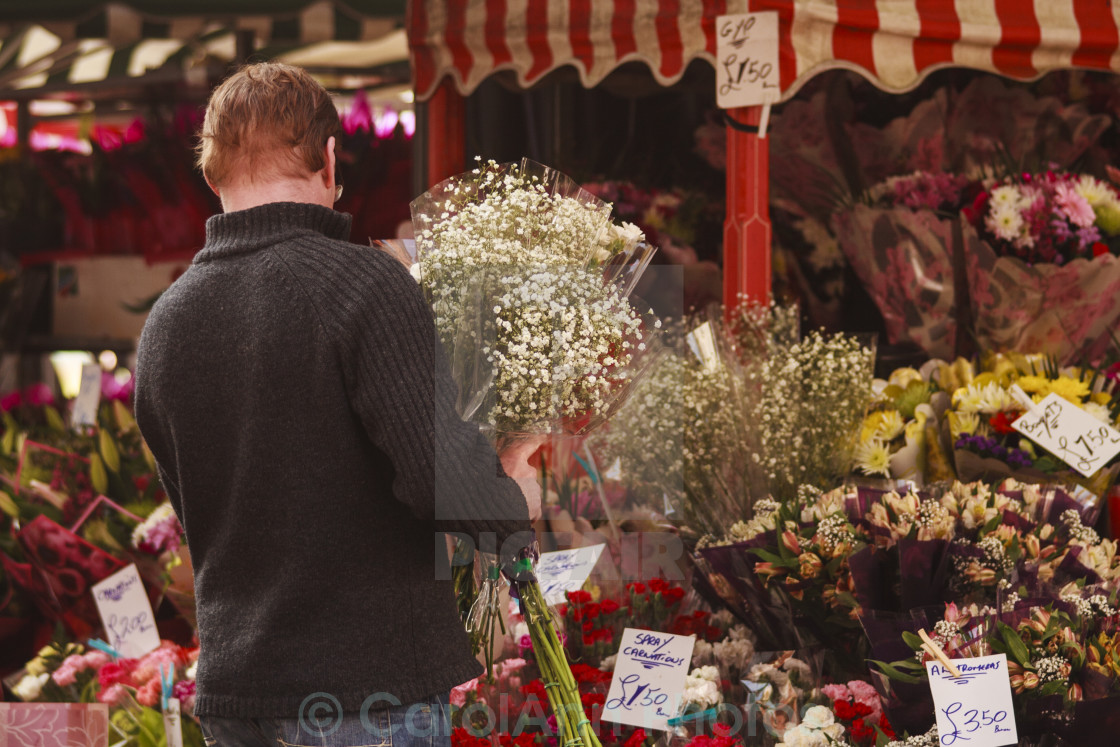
(1046,275)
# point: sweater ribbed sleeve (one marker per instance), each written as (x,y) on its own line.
(402,391)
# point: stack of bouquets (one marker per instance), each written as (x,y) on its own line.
(906,237)
(977,427)
(807,570)
(1063,654)
(530,286)
(133,688)
(1045,273)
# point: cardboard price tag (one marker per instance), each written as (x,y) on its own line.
(1069,433)
(649,675)
(565,570)
(747,59)
(85,406)
(126,613)
(975,708)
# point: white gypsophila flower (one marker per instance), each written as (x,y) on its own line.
(560,331)
(416,270)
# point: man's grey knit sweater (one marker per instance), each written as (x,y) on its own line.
(300,411)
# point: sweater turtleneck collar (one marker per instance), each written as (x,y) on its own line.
(257,227)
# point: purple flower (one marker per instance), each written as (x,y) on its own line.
(10,401)
(38,394)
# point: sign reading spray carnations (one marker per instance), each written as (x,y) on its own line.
(1067,431)
(975,707)
(649,678)
(126,613)
(565,570)
(747,59)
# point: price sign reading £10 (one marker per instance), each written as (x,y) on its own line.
(747,59)
(975,708)
(649,675)
(1070,433)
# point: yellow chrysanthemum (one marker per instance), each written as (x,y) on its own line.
(873,458)
(963,423)
(1032,384)
(890,425)
(1073,390)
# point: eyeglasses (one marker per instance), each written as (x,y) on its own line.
(337,192)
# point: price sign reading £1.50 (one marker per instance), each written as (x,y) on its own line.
(649,675)
(747,59)
(1070,433)
(975,708)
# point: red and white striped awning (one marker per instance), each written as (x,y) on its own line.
(894,43)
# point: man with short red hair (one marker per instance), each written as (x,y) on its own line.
(292,389)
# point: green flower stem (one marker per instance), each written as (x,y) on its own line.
(571,721)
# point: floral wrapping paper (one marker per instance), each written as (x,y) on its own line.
(904,259)
(1071,311)
(54,725)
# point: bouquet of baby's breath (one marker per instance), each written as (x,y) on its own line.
(529,281)
(682,435)
(811,395)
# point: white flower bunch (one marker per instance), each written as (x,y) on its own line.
(701,688)
(682,437)
(812,398)
(818,728)
(519,266)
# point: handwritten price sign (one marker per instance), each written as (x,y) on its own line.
(747,59)
(126,613)
(565,570)
(649,675)
(1070,433)
(974,709)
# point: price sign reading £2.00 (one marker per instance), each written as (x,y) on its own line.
(1070,433)
(649,675)
(974,709)
(747,59)
(126,613)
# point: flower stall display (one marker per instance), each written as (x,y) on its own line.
(134,689)
(977,428)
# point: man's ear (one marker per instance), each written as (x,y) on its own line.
(213,189)
(329,172)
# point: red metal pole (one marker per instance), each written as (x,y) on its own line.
(446,140)
(746,228)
